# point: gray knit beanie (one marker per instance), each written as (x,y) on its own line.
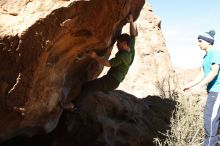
(208,36)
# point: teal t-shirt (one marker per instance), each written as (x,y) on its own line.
(122,61)
(212,57)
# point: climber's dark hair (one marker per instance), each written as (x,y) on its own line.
(124,38)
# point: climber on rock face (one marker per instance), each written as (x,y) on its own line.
(119,65)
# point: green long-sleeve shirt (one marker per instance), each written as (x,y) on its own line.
(122,61)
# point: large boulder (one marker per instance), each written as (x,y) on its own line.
(42,56)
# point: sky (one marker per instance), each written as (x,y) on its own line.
(182,22)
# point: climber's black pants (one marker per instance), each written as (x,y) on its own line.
(104,83)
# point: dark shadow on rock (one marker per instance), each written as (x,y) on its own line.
(113,118)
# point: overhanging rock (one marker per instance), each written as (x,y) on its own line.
(42,47)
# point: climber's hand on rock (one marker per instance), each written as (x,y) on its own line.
(92,54)
(130,18)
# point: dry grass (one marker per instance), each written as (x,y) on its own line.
(186,128)
(167,87)
(186,123)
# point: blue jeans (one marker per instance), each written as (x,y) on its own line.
(211,118)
